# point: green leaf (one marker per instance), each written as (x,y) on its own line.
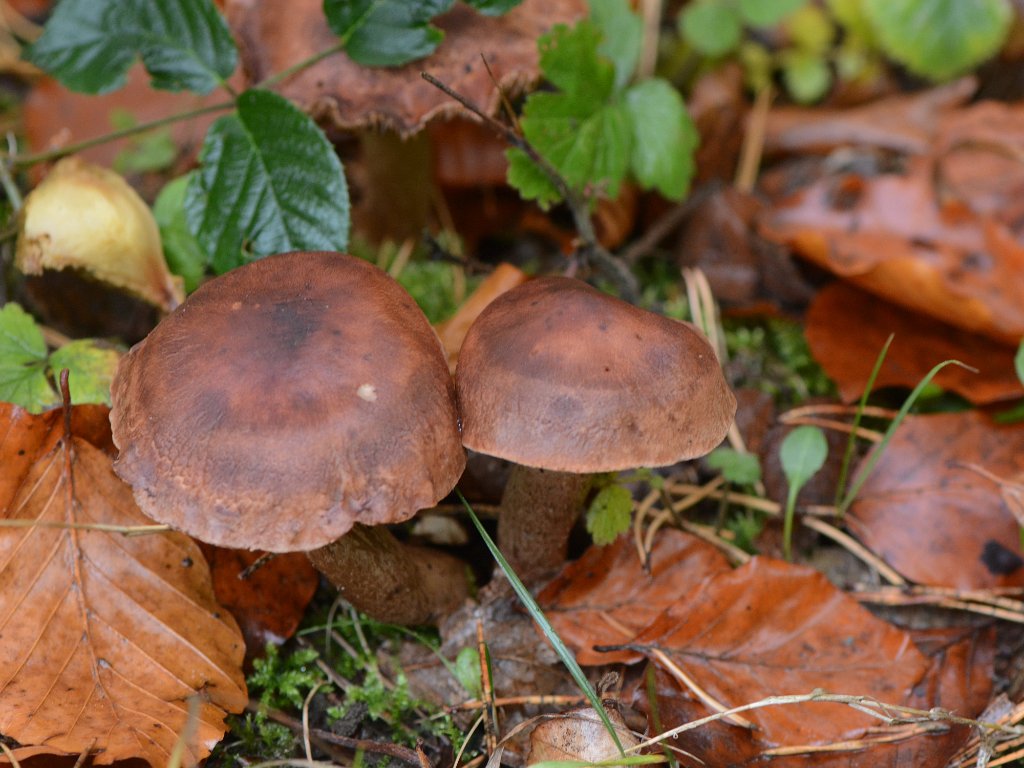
(386,33)
(90,370)
(811,29)
(269,181)
(803,453)
(23,361)
(182,251)
(89,44)
(622,33)
(609,514)
(806,75)
(467,670)
(151,151)
(1018,361)
(570,61)
(939,39)
(737,468)
(767,13)
(531,182)
(712,27)
(664,138)
(493,7)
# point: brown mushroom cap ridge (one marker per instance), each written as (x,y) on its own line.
(557,375)
(284,402)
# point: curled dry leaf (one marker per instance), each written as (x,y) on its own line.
(579,735)
(608,596)
(918,344)
(932,516)
(771,628)
(346,95)
(86,217)
(103,638)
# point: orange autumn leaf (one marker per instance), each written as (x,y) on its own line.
(931,515)
(103,638)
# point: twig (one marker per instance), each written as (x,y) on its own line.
(855,548)
(125,530)
(668,222)
(753,142)
(540,700)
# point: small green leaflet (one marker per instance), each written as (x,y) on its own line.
(89,44)
(389,33)
(737,468)
(803,453)
(594,131)
(609,514)
(24,365)
(940,39)
(270,182)
(184,255)
(712,27)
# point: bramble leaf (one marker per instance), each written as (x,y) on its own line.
(493,7)
(270,182)
(89,44)
(664,138)
(939,38)
(386,33)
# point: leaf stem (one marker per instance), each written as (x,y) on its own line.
(53,154)
(284,74)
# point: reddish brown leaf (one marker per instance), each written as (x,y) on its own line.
(847,328)
(270,602)
(771,628)
(103,638)
(959,679)
(606,597)
(274,36)
(931,516)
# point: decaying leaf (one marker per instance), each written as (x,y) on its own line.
(931,515)
(86,217)
(847,328)
(103,638)
(771,628)
(339,92)
(579,735)
(607,596)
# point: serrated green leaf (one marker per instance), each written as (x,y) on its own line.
(89,44)
(609,514)
(737,468)
(529,180)
(767,13)
(802,454)
(182,251)
(664,138)
(939,39)
(493,7)
(386,33)
(90,370)
(806,75)
(622,34)
(269,181)
(23,361)
(570,61)
(712,27)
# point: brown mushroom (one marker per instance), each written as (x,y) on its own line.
(299,402)
(567,381)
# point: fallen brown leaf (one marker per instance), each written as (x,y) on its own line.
(607,596)
(578,735)
(846,329)
(103,638)
(932,517)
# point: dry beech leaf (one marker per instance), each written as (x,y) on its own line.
(918,344)
(959,679)
(343,94)
(453,330)
(579,734)
(771,628)
(935,519)
(270,602)
(103,638)
(607,597)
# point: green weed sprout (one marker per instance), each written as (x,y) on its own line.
(803,453)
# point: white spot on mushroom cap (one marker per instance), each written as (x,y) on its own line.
(367,392)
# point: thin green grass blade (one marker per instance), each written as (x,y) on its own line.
(844,468)
(876,454)
(549,632)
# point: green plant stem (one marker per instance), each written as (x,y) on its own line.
(70,149)
(284,74)
(545,626)
(844,468)
(787,522)
(876,454)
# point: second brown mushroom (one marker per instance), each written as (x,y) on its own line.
(299,403)
(567,381)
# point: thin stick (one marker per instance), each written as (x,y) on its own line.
(753,141)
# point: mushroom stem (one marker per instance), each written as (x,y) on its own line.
(392,581)
(538,510)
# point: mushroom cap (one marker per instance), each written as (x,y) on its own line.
(284,402)
(557,375)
